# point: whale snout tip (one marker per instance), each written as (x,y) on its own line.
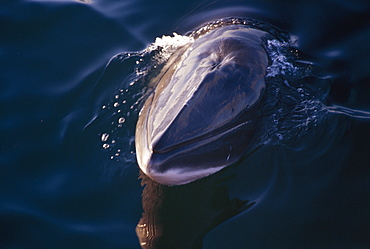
(174,175)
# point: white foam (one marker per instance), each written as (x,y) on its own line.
(169,44)
(280,63)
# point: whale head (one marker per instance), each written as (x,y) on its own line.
(201,117)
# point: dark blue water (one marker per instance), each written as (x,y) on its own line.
(59,186)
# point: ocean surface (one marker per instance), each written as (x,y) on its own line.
(68,172)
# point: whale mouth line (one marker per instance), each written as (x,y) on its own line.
(223,130)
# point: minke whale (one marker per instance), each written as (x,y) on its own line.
(204,110)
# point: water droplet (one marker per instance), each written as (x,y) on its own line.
(104,137)
(116,104)
(105,146)
(280,136)
(121,120)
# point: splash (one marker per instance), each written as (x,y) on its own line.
(168,45)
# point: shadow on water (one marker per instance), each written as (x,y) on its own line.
(180,216)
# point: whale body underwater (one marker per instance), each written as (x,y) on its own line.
(202,115)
